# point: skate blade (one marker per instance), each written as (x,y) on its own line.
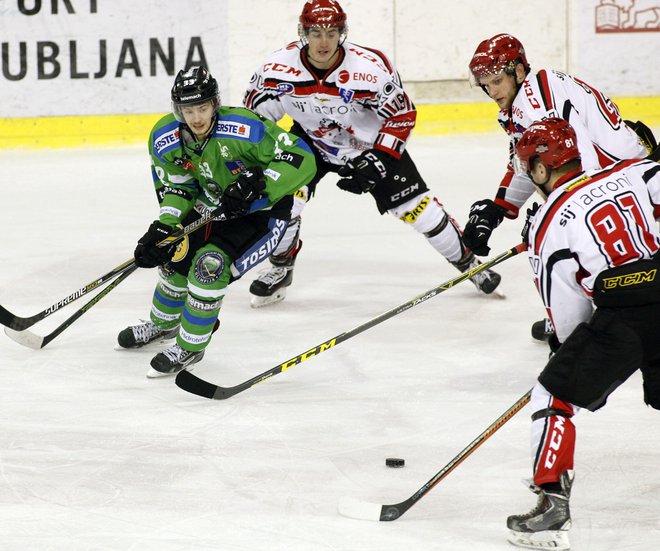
(260,302)
(498,293)
(153,374)
(556,540)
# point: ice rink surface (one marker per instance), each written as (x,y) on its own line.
(95,456)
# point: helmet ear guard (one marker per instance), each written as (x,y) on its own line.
(193,86)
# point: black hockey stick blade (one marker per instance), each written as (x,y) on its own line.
(18,323)
(193,384)
(31,340)
(364,510)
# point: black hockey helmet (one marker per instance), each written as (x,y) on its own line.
(192,87)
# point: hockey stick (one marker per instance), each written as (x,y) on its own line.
(364,510)
(31,340)
(18,323)
(191,383)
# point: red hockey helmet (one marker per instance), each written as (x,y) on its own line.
(551,140)
(497,54)
(322,14)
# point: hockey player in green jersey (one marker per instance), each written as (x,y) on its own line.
(206,156)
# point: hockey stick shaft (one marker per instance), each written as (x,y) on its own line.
(18,323)
(31,340)
(371,511)
(193,384)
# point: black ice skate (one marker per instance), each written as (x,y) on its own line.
(485,281)
(173,360)
(542,330)
(547,525)
(137,336)
(271,283)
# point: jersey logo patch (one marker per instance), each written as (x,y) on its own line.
(234,129)
(285,88)
(292,159)
(235,167)
(166,141)
(346,95)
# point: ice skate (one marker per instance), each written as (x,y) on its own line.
(136,336)
(270,286)
(486,281)
(271,283)
(173,360)
(546,526)
(542,330)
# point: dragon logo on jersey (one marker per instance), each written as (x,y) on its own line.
(224,151)
(185,163)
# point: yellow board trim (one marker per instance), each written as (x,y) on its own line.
(117,130)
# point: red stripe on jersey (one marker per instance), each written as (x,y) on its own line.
(382,57)
(320,88)
(511,209)
(656,211)
(604,160)
(542,78)
(248,100)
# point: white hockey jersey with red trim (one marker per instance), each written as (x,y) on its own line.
(602,136)
(359,104)
(590,224)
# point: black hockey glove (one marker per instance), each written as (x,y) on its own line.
(147,254)
(361,174)
(531,212)
(238,197)
(485,216)
(645,134)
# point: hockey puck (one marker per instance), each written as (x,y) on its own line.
(395,462)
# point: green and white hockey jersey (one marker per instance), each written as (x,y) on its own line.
(195,172)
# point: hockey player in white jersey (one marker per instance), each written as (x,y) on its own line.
(500,67)
(594,251)
(348,102)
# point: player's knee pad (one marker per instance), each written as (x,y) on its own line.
(423,213)
(209,273)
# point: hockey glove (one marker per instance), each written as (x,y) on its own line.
(644,133)
(485,216)
(238,197)
(147,253)
(361,174)
(531,212)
